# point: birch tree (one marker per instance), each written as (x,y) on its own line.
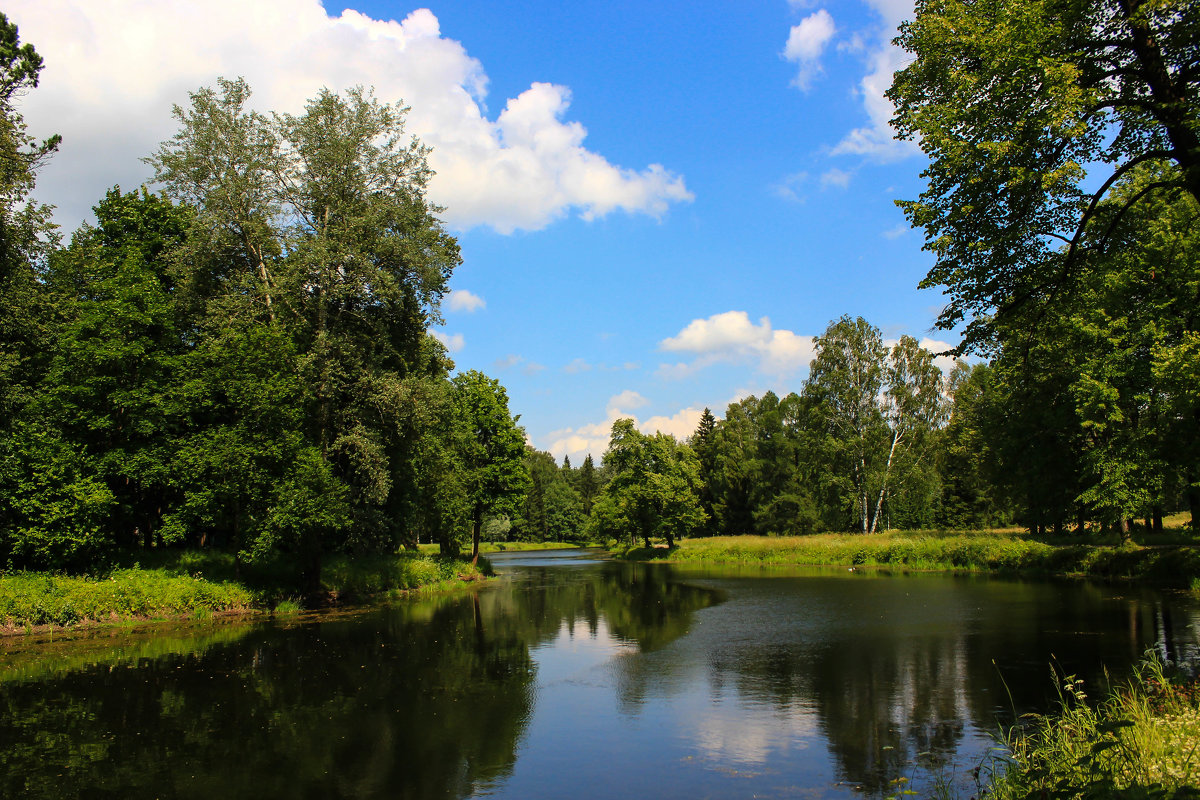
(913,406)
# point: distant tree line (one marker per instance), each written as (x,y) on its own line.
(880,438)
(243,360)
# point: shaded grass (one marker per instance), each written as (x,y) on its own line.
(1142,740)
(945,551)
(199,584)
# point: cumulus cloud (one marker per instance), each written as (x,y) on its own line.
(626,401)
(896,231)
(451,341)
(462,300)
(732,338)
(114,69)
(874,140)
(592,438)
(806,42)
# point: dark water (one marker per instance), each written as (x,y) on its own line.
(577,678)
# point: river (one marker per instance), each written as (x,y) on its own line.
(577,677)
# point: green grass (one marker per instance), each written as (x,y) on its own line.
(947,551)
(28,599)
(502,547)
(198,584)
(1142,740)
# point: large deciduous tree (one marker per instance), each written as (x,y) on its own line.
(314,232)
(492,451)
(1016,103)
(654,491)
(844,384)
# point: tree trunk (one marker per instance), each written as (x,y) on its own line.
(476,527)
(887,470)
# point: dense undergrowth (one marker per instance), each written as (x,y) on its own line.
(174,584)
(1175,565)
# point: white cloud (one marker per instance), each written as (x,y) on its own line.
(576,366)
(897,231)
(452,341)
(874,140)
(789,188)
(593,437)
(732,337)
(626,401)
(508,362)
(114,69)
(462,300)
(681,425)
(836,177)
(806,42)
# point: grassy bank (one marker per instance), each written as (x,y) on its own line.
(510,547)
(173,585)
(1143,740)
(1175,565)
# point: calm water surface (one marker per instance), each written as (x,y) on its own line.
(576,677)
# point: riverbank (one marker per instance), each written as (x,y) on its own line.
(192,584)
(1175,565)
(1140,741)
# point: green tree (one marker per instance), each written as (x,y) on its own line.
(318,226)
(655,485)
(552,509)
(25,229)
(1016,103)
(112,382)
(970,496)
(704,444)
(588,484)
(844,383)
(492,451)
(914,411)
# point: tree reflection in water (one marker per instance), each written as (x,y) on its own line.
(692,682)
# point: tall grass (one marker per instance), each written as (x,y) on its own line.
(921,550)
(1142,741)
(37,598)
(195,584)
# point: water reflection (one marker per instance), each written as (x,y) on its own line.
(574,677)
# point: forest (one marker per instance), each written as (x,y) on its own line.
(239,360)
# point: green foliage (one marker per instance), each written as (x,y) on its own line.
(552,509)
(52,508)
(654,490)
(491,448)
(1015,102)
(37,599)
(1139,742)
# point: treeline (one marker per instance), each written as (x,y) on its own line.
(243,361)
(881,438)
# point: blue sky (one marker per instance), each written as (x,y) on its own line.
(659,204)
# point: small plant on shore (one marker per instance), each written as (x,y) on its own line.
(288,607)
